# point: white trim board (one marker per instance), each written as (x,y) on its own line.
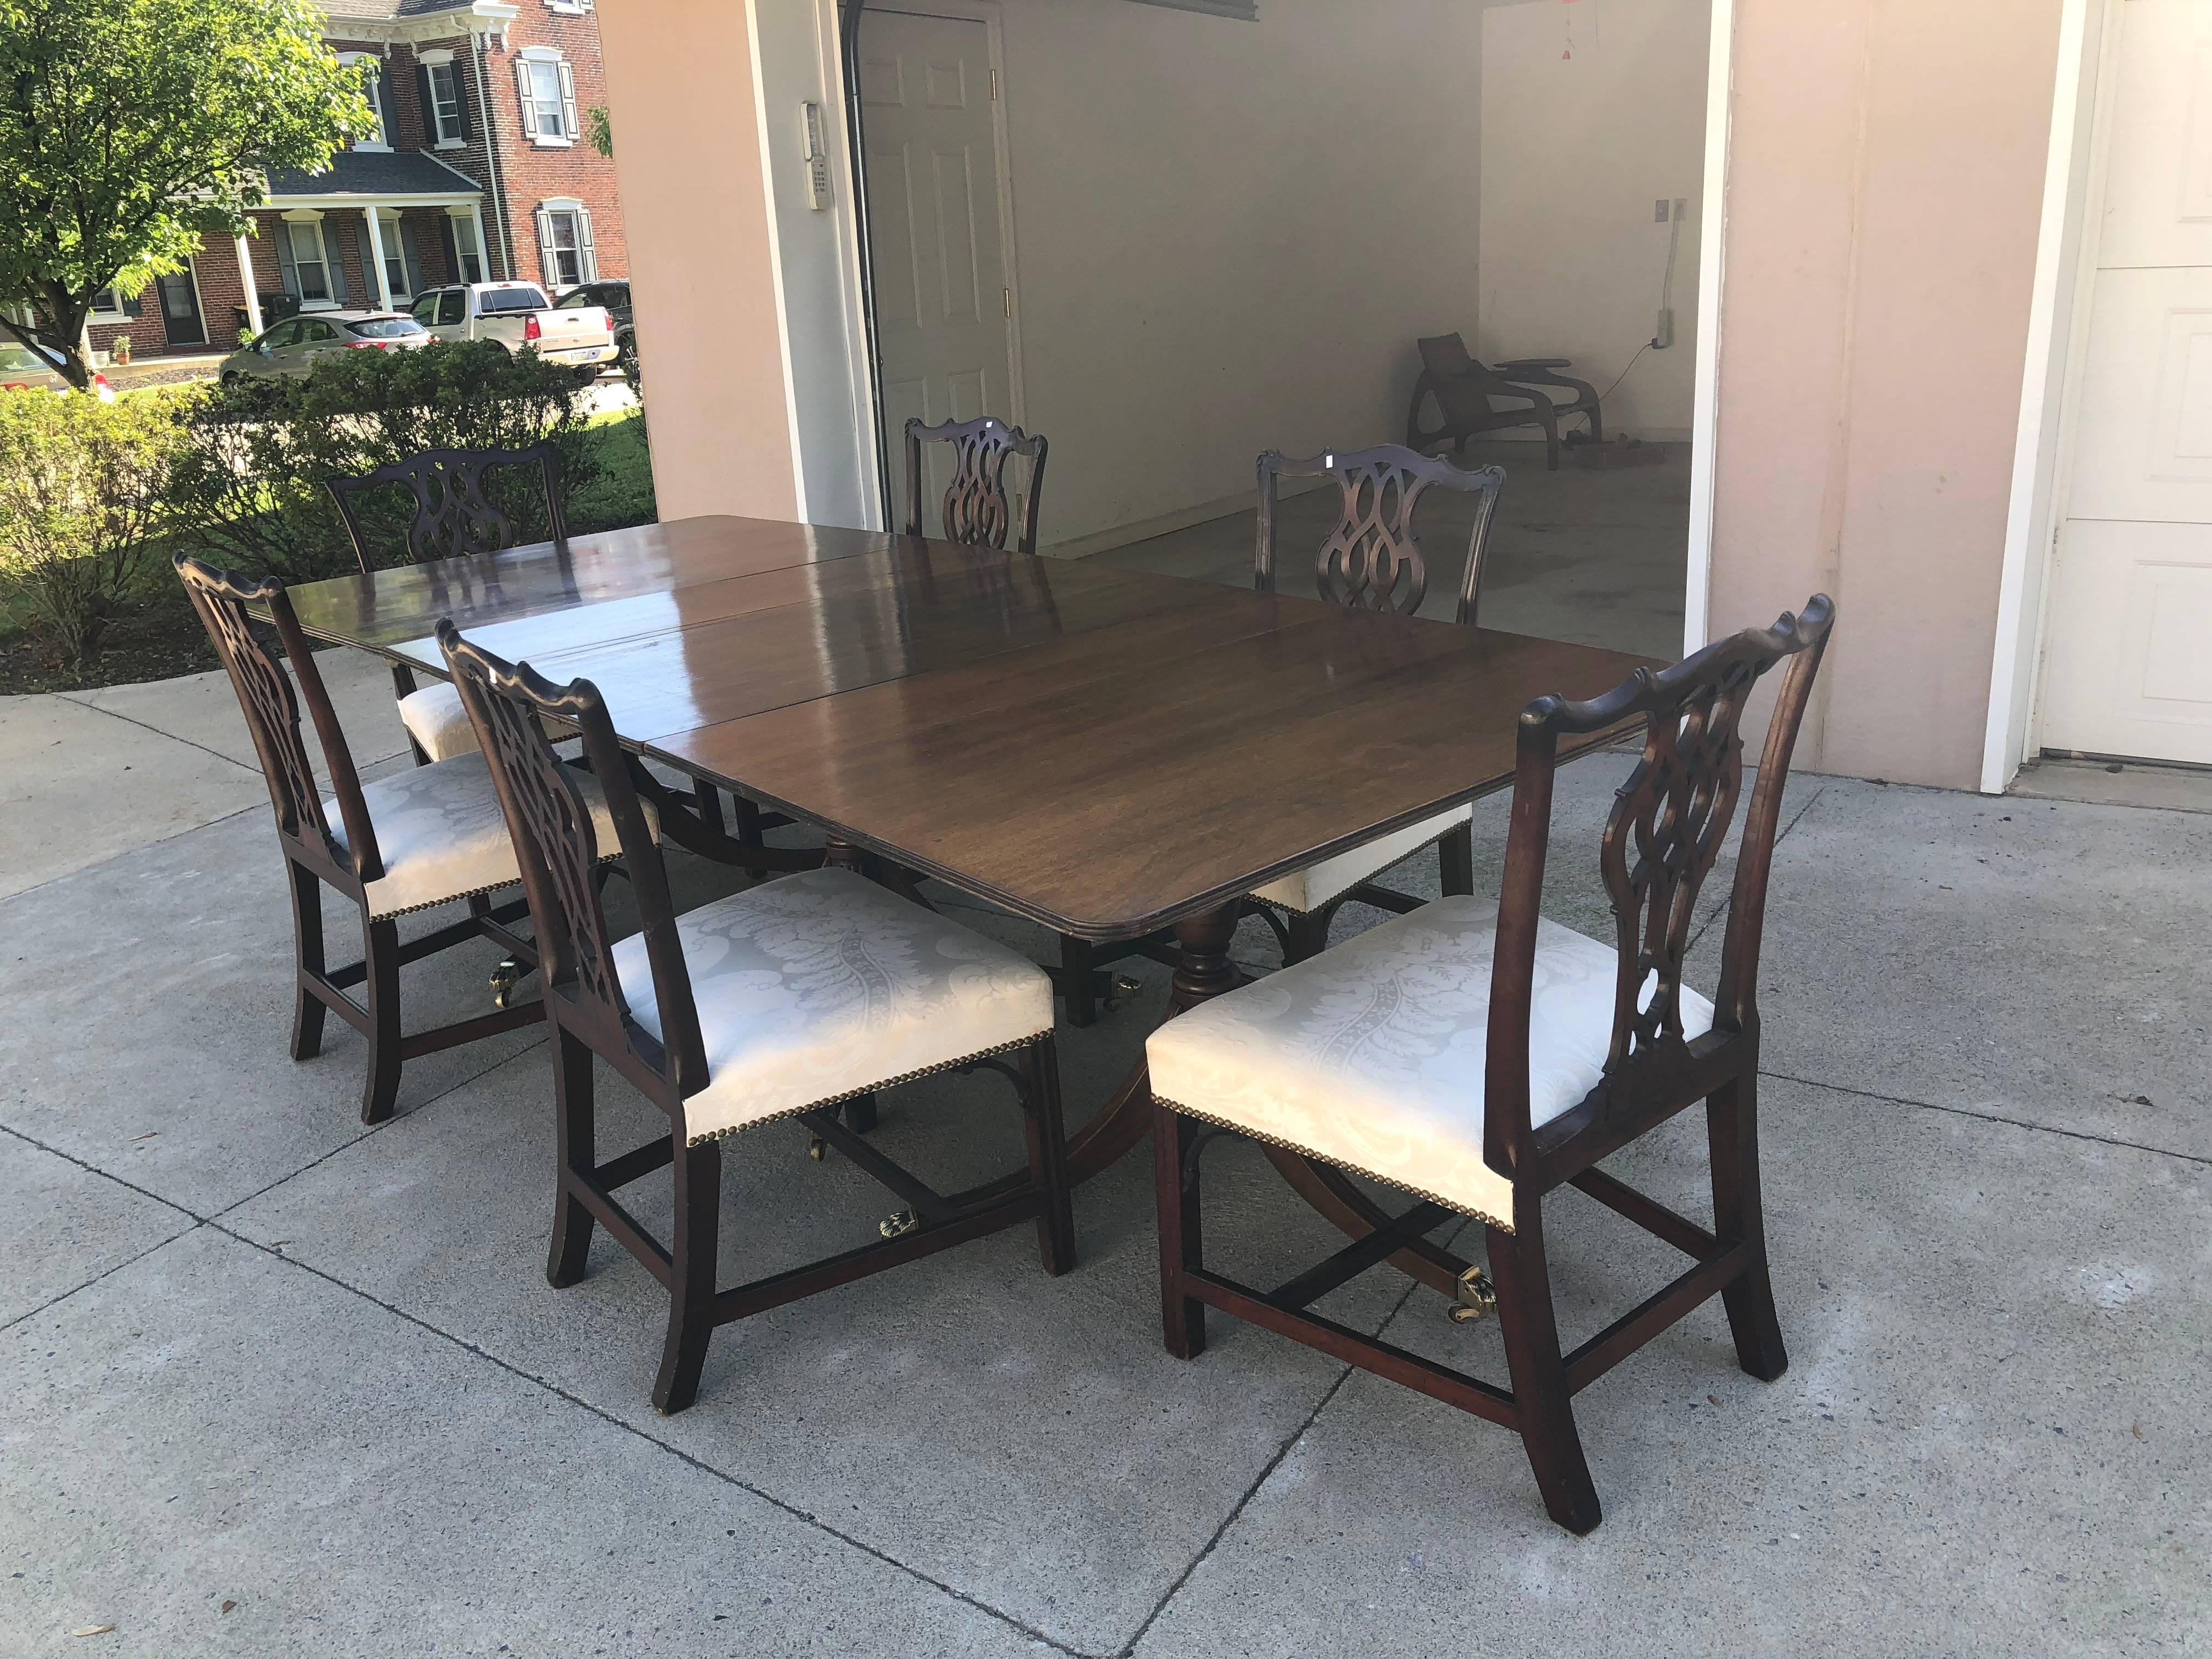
(1712,246)
(2056,328)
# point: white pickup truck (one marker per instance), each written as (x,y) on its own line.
(518,314)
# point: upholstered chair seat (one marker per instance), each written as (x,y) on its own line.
(443,836)
(1371,1056)
(436,721)
(1304,891)
(816,987)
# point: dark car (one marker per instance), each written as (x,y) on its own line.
(615,296)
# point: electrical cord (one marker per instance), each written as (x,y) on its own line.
(1623,375)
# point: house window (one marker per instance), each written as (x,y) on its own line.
(395,258)
(299,253)
(466,254)
(379,95)
(548,91)
(445,111)
(106,306)
(564,244)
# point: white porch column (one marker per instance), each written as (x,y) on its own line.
(376,246)
(252,288)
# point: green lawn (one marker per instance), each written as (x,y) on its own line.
(160,637)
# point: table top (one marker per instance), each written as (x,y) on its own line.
(1103,751)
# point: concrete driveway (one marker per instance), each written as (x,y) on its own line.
(273,1384)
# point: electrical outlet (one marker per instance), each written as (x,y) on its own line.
(1665,336)
(1659,211)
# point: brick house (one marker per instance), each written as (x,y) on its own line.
(480,171)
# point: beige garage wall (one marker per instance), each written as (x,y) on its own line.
(1885,188)
(1228,236)
(1590,113)
(702,283)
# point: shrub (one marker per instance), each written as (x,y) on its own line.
(82,486)
(248,490)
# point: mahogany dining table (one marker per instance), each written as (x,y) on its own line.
(1107,752)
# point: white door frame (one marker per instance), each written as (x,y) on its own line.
(2058,328)
(1712,228)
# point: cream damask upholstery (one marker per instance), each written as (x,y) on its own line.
(1371,1054)
(1309,889)
(443,836)
(818,986)
(434,717)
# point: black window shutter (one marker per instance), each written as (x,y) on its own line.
(134,304)
(450,247)
(429,104)
(388,96)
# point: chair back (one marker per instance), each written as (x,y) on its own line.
(1444,355)
(1372,559)
(268,698)
(976,509)
(1667,827)
(557,850)
(454,518)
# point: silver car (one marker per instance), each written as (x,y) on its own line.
(36,368)
(295,345)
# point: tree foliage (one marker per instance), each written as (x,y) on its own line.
(129,128)
(81,490)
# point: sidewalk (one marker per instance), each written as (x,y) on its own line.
(273,1384)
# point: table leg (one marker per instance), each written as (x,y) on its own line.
(1204,973)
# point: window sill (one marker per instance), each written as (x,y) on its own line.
(451,143)
(372,150)
(542,142)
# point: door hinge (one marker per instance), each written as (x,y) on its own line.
(1009,295)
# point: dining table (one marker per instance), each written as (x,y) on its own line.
(1112,754)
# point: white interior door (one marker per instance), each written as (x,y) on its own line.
(2129,667)
(944,298)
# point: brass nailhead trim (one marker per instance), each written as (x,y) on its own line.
(867,1089)
(1487,1219)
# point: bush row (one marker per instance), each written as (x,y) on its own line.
(91,493)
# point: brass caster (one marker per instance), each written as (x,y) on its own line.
(509,974)
(817,1148)
(1121,989)
(1478,1298)
(898,1224)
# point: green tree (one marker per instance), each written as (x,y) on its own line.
(130,128)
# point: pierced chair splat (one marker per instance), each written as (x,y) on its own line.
(1482,1059)
(780,1002)
(424,837)
(453,517)
(976,509)
(1372,560)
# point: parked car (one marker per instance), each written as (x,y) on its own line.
(294,346)
(615,296)
(518,314)
(27,368)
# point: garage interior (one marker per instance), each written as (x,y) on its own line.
(1169,234)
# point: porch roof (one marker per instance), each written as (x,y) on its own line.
(356,176)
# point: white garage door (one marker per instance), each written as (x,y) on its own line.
(2130,669)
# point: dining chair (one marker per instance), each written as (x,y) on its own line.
(1372,560)
(779,1002)
(1480,1062)
(422,838)
(976,509)
(454,518)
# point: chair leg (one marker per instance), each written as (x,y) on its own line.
(1048,1149)
(1182,1318)
(1308,934)
(1455,862)
(1732,1135)
(574,1130)
(380,988)
(1075,970)
(692,1250)
(308,1008)
(1541,1396)
(860,1114)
